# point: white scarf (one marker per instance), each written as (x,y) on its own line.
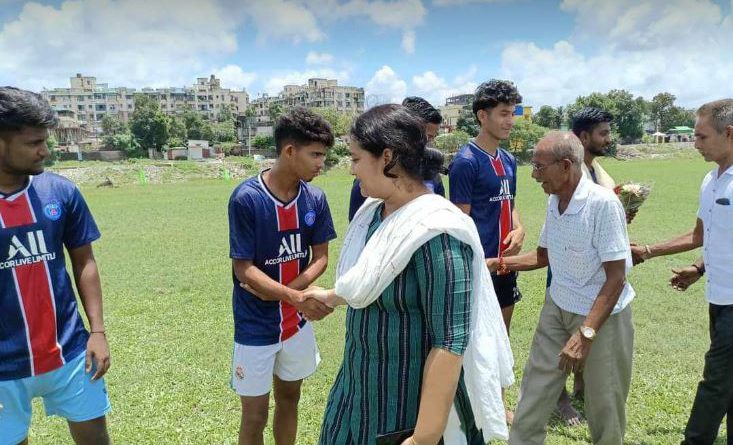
(366,269)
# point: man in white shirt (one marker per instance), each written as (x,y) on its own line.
(585,322)
(713,230)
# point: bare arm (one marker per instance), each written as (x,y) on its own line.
(318,264)
(265,287)
(440,381)
(529,261)
(515,239)
(682,243)
(86,276)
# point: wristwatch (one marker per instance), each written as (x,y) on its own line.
(588,332)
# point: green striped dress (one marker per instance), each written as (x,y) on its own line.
(378,387)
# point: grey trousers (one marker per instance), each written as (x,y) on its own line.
(607,376)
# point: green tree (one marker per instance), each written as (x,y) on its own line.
(468,124)
(225,114)
(125,142)
(660,109)
(223,131)
(148,124)
(340,122)
(679,117)
(263,142)
(112,125)
(524,137)
(548,117)
(628,115)
(451,142)
(274,111)
(178,132)
(197,128)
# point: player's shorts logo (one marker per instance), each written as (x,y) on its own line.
(239,373)
(52,210)
(310,218)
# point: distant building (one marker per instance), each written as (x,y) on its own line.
(91,101)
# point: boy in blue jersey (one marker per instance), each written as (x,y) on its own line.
(279,229)
(483,183)
(45,350)
(432,119)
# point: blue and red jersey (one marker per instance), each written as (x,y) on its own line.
(489,184)
(40,325)
(277,237)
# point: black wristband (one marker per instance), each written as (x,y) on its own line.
(700,269)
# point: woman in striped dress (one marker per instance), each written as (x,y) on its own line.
(402,363)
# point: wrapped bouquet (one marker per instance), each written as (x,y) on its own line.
(632,195)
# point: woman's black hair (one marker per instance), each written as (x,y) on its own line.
(395,127)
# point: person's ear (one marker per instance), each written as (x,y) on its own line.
(387,155)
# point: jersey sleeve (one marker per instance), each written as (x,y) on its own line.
(323,228)
(242,239)
(439,189)
(461,178)
(355,200)
(79,228)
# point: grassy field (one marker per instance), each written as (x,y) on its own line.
(167,286)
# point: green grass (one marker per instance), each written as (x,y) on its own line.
(166,277)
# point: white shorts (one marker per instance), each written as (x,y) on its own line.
(294,359)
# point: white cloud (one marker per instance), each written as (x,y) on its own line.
(385,86)
(408,42)
(679,46)
(123,42)
(275,84)
(436,89)
(234,77)
(316,58)
(281,19)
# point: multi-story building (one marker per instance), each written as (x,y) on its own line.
(91,101)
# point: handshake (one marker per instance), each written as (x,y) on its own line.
(314,303)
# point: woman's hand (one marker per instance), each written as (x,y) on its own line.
(325,296)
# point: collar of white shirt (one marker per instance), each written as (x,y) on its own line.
(577,201)
(729,171)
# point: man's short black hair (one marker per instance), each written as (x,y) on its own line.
(494,92)
(423,109)
(301,126)
(21,108)
(587,118)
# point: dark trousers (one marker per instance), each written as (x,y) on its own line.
(715,392)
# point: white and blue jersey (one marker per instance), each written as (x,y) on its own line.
(489,184)
(40,326)
(277,237)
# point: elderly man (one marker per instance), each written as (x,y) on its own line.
(585,323)
(714,399)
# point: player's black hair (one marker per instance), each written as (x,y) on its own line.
(587,118)
(397,128)
(301,126)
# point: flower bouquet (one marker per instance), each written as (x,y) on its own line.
(632,195)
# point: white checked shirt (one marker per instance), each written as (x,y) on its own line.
(591,231)
(717,219)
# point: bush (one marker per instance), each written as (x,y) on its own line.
(332,158)
(229,147)
(263,142)
(451,142)
(523,138)
(341,149)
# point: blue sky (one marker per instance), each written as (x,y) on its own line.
(553,50)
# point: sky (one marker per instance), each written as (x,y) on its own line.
(554,51)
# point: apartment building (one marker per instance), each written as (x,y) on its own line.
(91,101)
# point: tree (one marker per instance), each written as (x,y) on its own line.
(225,114)
(223,131)
(628,115)
(679,117)
(468,125)
(112,125)
(548,117)
(197,127)
(148,124)
(263,142)
(340,122)
(274,111)
(178,132)
(125,142)
(451,142)
(660,108)
(524,136)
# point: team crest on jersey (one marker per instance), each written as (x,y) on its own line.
(239,372)
(53,211)
(310,218)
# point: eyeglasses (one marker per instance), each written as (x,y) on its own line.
(539,167)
